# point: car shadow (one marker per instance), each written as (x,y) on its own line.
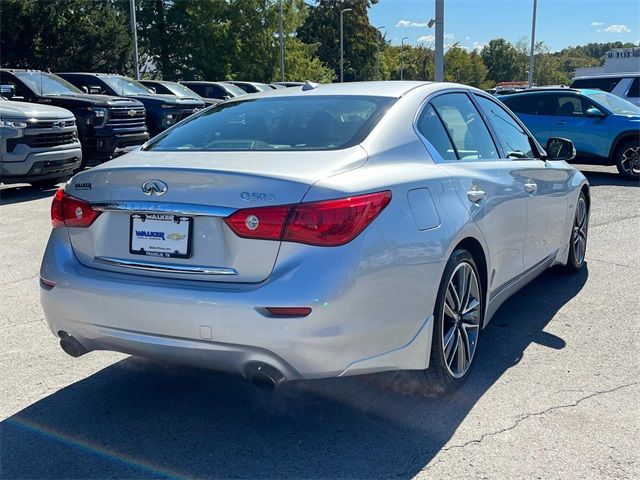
(138,419)
(24,193)
(598,178)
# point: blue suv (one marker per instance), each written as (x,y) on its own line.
(605,129)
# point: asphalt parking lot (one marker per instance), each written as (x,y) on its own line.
(554,393)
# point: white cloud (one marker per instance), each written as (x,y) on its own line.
(596,24)
(616,29)
(449,36)
(427,38)
(479,46)
(467,38)
(409,23)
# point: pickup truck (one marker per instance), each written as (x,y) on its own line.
(38,143)
(163,111)
(108,126)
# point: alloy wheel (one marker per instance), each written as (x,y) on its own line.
(461,320)
(580,231)
(630,161)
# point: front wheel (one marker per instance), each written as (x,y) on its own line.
(628,160)
(459,312)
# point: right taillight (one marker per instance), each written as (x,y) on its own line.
(326,223)
(71,212)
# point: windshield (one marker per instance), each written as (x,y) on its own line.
(180,90)
(617,105)
(125,85)
(278,123)
(47,83)
(235,91)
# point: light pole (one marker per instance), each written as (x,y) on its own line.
(342,12)
(281,44)
(402,57)
(378,35)
(132,5)
(439,21)
(533,43)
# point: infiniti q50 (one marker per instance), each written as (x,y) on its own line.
(318,232)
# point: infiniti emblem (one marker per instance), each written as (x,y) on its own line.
(154,187)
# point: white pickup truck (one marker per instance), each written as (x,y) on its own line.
(38,144)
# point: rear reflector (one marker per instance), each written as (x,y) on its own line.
(289,311)
(71,212)
(326,223)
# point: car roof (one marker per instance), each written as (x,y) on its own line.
(609,75)
(94,74)
(391,89)
(206,82)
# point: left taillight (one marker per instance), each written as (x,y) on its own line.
(71,212)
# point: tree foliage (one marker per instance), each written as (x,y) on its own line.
(239,39)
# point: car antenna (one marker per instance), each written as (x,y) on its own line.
(309,86)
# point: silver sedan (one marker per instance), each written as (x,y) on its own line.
(325,231)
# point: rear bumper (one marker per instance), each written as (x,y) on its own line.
(353,328)
(42,165)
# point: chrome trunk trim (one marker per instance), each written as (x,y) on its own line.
(164,267)
(163,207)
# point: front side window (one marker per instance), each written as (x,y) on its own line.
(513,138)
(431,128)
(125,86)
(47,83)
(568,106)
(465,126)
(278,123)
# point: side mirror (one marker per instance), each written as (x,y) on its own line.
(8,91)
(84,89)
(153,89)
(226,97)
(594,112)
(560,149)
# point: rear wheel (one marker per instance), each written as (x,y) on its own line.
(628,159)
(458,319)
(579,231)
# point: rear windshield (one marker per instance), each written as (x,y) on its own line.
(278,123)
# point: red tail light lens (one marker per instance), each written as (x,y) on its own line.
(71,212)
(326,223)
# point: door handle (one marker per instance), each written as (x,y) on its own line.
(561,122)
(475,194)
(530,187)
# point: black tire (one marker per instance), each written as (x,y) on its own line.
(49,182)
(578,238)
(439,378)
(627,159)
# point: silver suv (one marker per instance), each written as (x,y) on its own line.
(38,144)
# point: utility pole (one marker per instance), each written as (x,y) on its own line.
(402,58)
(532,58)
(132,5)
(439,73)
(281,44)
(378,35)
(342,12)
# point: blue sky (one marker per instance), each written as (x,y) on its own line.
(473,23)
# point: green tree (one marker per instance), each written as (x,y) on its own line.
(65,35)
(464,67)
(503,61)
(322,28)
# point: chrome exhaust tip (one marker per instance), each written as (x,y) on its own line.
(264,377)
(71,346)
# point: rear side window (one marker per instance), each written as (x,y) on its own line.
(278,123)
(513,138)
(431,128)
(199,89)
(604,84)
(533,104)
(465,126)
